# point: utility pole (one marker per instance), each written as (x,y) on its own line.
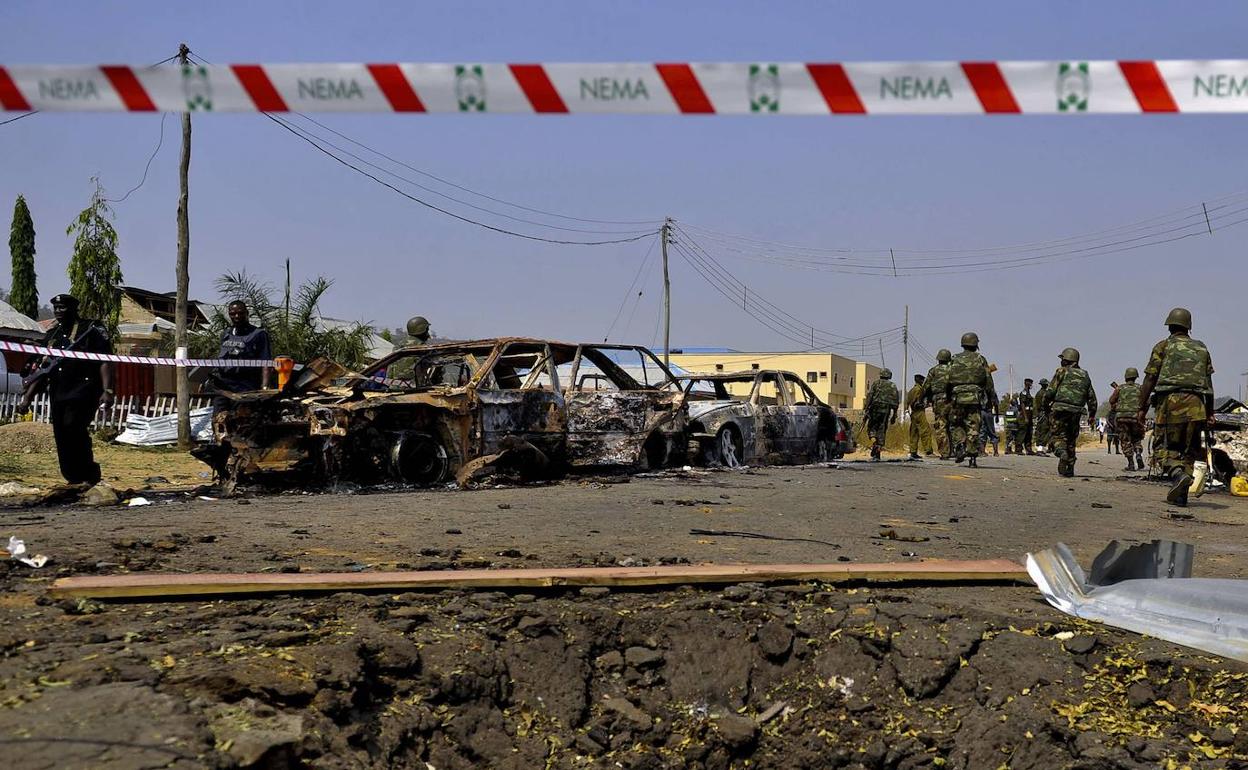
(667,297)
(183,273)
(905,364)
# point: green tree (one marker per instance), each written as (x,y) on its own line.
(294,322)
(23,296)
(95,269)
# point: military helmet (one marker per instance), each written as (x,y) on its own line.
(1180,316)
(943,356)
(970,340)
(1132,373)
(1071,355)
(418,326)
(886,374)
(1044,382)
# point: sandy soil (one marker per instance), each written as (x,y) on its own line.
(878,677)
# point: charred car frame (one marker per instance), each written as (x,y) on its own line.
(427,413)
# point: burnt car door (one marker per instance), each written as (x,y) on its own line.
(520,396)
(803,407)
(620,408)
(772,418)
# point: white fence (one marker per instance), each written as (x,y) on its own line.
(114,418)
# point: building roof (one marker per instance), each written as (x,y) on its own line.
(15,324)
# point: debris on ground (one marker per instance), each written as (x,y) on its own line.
(1148,589)
(17,550)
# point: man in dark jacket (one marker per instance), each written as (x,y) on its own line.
(76,388)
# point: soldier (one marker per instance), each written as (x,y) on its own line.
(969,388)
(881,410)
(1043,407)
(1026,406)
(418,329)
(920,431)
(1180,372)
(934,390)
(1124,404)
(1011,424)
(1069,392)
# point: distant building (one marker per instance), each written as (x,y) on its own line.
(841,382)
(15,327)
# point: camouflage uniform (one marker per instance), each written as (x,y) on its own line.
(969,387)
(920,431)
(1069,392)
(1184,372)
(1026,406)
(1124,404)
(1044,434)
(1011,425)
(934,390)
(881,409)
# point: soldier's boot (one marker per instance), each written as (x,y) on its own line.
(959,453)
(915,456)
(1178,492)
(995,448)
(972,462)
(1130,462)
(1008,450)
(1139,460)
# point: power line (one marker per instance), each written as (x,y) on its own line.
(629,291)
(19,117)
(452,198)
(159,142)
(441,210)
(470,191)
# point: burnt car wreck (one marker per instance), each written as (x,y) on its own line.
(518,407)
(761,417)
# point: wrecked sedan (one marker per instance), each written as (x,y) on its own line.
(766,417)
(424,414)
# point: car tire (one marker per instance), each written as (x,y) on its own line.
(419,459)
(728,448)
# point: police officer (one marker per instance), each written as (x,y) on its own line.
(76,388)
(1069,392)
(934,390)
(969,389)
(1124,404)
(1012,439)
(881,410)
(1043,432)
(1179,382)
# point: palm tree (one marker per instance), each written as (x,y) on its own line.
(294,324)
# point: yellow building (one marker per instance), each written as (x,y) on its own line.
(841,382)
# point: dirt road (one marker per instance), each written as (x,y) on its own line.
(784,676)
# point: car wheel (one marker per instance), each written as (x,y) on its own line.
(729,446)
(825,450)
(418,459)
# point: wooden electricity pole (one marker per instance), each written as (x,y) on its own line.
(667,297)
(183,274)
(905,365)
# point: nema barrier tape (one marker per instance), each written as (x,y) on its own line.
(39,350)
(736,88)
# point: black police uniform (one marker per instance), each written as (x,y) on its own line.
(74,390)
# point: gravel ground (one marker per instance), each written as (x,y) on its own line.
(801,675)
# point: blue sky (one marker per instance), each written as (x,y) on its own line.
(259,196)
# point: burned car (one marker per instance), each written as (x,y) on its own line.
(763,416)
(425,414)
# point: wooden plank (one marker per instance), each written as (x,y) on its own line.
(170,585)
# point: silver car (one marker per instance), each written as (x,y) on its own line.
(760,417)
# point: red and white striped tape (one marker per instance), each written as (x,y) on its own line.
(38,350)
(785,88)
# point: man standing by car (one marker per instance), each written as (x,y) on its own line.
(934,388)
(920,430)
(76,388)
(1180,372)
(881,410)
(240,342)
